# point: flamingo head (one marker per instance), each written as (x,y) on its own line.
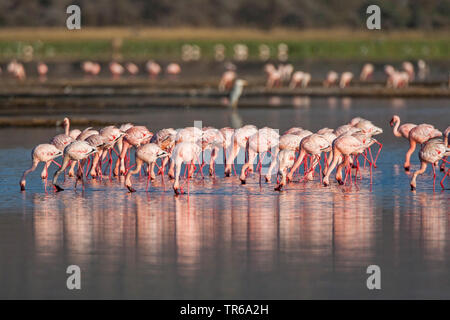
(394,119)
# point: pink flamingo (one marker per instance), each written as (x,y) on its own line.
(116,69)
(76,151)
(132,68)
(409,69)
(134,137)
(401,130)
(345,145)
(432,151)
(227,80)
(42,69)
(312,145)
(366,72)
(153,68)
(147,153)
(188,134)
(239,140)
(71,133)
(42,152)
(173,69)
(346,78)
(212,139)
(273,76)
(419,135)
(184,152)
(261,142)
(165,139)
(331,79)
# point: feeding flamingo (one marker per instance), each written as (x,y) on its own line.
(419,135)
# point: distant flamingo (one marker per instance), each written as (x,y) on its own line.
(331,79)
(116,69)
(42,69)
(147,153)
(76,151)
(419,135)
(432,151)
(346,78)
(227,80)
(273,76)
(153,68)
(173,69)
(409,68)
(366,72)
(132,68)
(42,152)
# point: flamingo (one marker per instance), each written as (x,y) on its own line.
(165,139)
(262,141)
(147,153)
(346,78)
(313,145)
(134,137)
(42,152)
(116,69)
(273,76)
(419,135)
(432,151)
(86,133)
(366,72)
(153,68)
(239,140)
(188,134)
(289,144)
(409,69)
(331,79)
(212,139)
(76,151)
(345,145)
(132,68)
(42,69)
(173,69)
(401,130)
(184,152)
(71,133)
(226,82)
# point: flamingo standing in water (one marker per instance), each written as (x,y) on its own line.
(262,141)
(239,140)
(401,130)
(165,139)
(289,144)
(432,151)
(212,139)
(184,152)
(312,145)
(134,137)
(188,134)
(42,152)
(419,135)
(71,133)
(345,145)
(147,153)
(76,151)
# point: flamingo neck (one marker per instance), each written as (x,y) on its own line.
(395,130)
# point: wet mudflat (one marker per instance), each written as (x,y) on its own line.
(227,240)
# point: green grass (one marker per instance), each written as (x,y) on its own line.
(334,45)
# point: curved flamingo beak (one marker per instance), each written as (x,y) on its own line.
(58,188)
(391,123)
(131,189)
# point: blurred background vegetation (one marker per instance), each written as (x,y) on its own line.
(158,29)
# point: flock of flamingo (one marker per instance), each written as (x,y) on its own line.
(276,76)
(92,152)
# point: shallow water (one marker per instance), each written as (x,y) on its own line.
(227,240)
